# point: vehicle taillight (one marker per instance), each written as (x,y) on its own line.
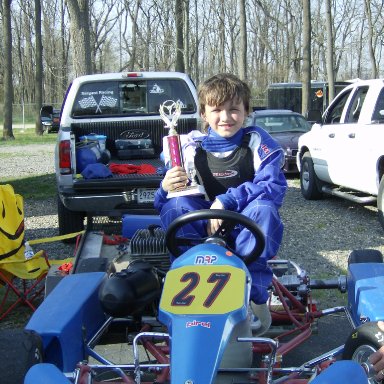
(132,74)
(65,157)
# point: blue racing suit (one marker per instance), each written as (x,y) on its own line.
(258,198)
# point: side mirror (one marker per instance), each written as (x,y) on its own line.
(314,116)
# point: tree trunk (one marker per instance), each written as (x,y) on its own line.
(306,87)
(180,66)
(80,36)
(370,39)
(8,87)
(39,68)
(186,37)
(134,16)
(221,37)
(330,58)
(243,41)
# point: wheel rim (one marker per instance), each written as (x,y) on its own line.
(305,177)
(361,356)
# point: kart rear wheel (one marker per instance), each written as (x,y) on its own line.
(19,351)
(362,342)
(309,182)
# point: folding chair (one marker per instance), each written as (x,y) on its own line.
(22,273)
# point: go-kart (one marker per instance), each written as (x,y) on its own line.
(192,324)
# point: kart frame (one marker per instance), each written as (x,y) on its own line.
(293,311)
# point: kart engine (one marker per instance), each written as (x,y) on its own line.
(129,291)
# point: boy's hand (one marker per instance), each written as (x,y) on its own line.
(175,178)
(214,224)
(377,358)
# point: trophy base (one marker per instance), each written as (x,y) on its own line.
(187,191)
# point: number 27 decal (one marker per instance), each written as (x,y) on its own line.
(186,297)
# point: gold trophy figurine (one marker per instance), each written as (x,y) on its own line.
(170,112)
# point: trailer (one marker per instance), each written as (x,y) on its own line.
(289,95)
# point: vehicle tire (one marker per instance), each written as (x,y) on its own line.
(69,221)
(365,256)
(19,351)
(362,342)
(309,183)
(380,202)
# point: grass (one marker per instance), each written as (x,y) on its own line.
(35,187)
(28,136)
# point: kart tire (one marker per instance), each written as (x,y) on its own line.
(310,185)
(19,351)
(69,221)
(365,256)
(362,342)
(380,202)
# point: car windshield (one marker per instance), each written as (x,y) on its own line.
(283,123)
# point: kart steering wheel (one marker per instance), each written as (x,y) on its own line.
(229,221)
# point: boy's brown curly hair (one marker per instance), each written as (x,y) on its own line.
(223,87)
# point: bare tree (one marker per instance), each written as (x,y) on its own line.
(186,34)
(104,17)
(371,49)
(330,56)
(80,36)
(179,20)
(243,41)
(8,87)
(134,16)
(306,56)
(39,68)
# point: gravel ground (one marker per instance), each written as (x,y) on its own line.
(40,216)
(319,235)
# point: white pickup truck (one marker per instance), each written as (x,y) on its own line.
(119,111)
(343,154)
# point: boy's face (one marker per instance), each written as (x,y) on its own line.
(225,119)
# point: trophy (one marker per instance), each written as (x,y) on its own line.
(170,112)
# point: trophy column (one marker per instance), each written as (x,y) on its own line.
(170,112)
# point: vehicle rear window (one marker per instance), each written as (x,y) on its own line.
(130,97)
(283,123)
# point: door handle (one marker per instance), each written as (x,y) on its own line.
(352,135)
(331,135)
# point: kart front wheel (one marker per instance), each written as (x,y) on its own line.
(362,342)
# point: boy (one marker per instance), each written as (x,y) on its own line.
(240,169)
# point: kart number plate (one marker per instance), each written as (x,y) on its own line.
(145,195)
(203,290)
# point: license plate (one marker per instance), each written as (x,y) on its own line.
(146,195)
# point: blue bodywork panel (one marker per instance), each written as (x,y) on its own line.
(45,373)
(205,332)
(69,317)
(365,291)
(343,371)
